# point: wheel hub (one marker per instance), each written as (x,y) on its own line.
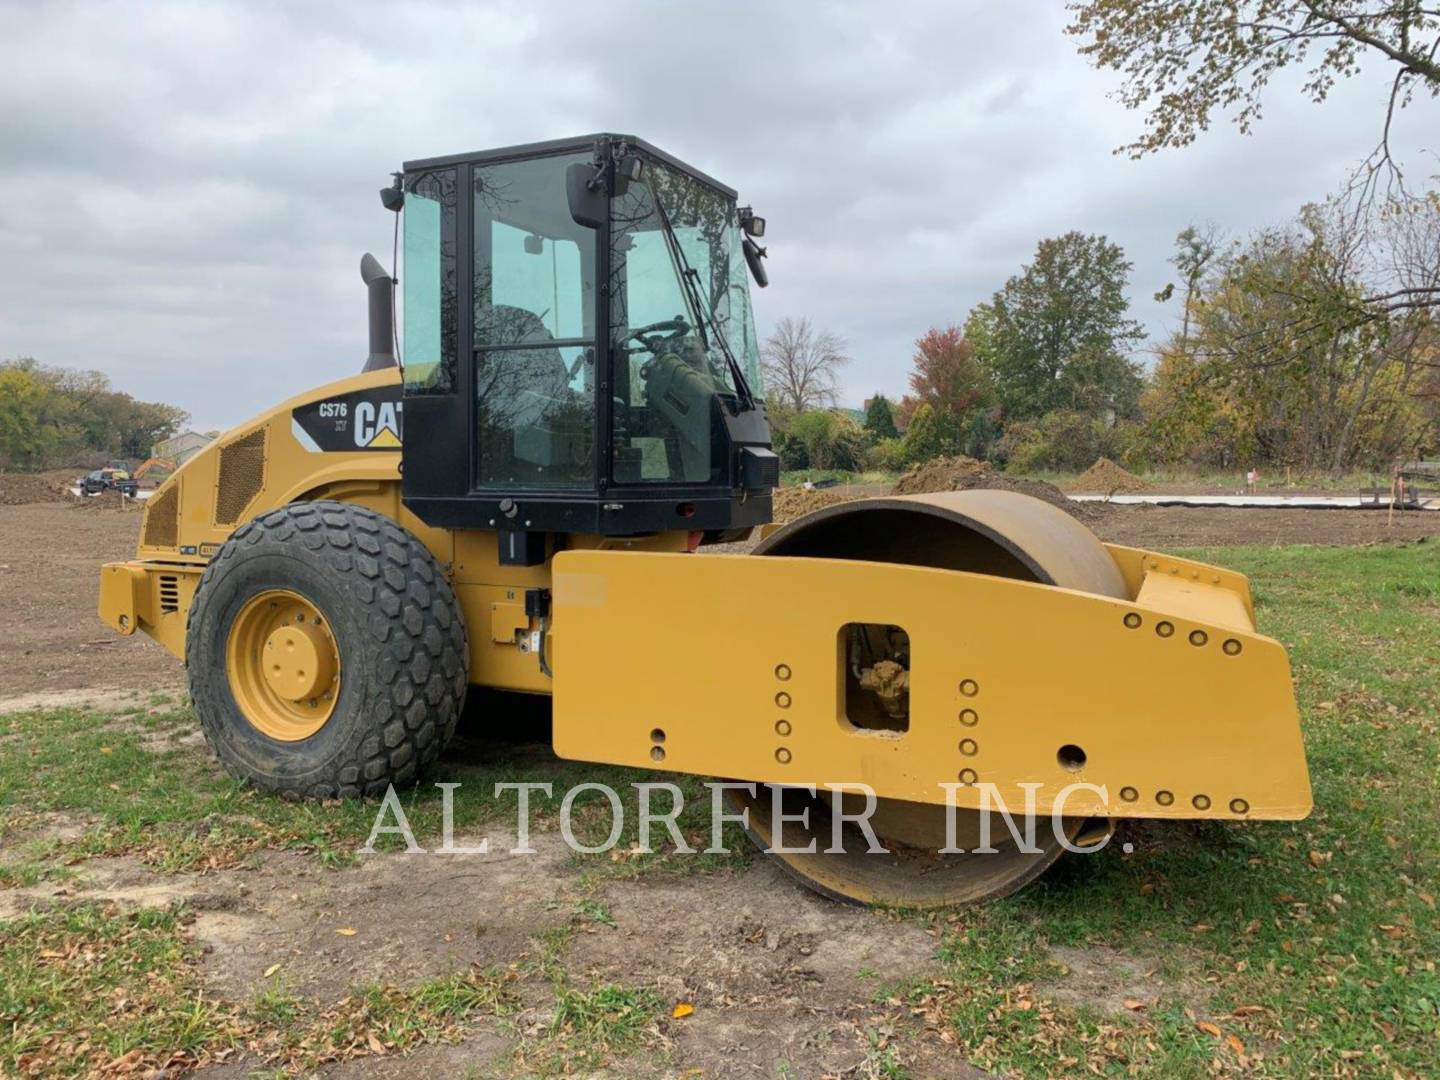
(299,661)
(283,665)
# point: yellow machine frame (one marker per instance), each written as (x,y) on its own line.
(727,665)
(152,592)
(1170,701)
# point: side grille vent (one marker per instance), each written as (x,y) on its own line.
(162,518)
(242,475)
(169,593)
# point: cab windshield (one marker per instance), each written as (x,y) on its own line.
(670,363)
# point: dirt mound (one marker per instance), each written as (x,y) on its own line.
(940,474)
(106,500)
(794,502)
(967,474)
(1107,478)
(20,489)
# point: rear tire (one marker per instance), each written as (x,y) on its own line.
(394,621)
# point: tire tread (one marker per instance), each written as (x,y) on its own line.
(420,656)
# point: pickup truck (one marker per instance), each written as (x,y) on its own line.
(92,483)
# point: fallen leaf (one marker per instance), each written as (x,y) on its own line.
(682,1010)
(106,750)
(270,971)
(1235,1044)
(376,1046)
(1390,931)
(1133,1005)
(1320,858)
(1209,1029)
(347,931)
(1248,1010)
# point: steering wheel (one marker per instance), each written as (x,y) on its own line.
(671,329)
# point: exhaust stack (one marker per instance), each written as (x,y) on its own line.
(381,287)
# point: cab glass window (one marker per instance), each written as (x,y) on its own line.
(427,278)
(534,339)
(669,370)
(534,266)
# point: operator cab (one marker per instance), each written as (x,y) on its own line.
(578,343)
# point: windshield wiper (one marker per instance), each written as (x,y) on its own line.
(690,282)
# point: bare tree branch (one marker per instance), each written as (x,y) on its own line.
(802,364)
(1183,60)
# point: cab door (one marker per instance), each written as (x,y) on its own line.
(534,354)
(501,383)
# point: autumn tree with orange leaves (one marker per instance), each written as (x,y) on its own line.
(948,379)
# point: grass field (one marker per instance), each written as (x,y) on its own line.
(1287,949)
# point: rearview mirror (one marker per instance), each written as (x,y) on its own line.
(753,254)
(586,195)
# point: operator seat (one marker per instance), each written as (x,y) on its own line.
(538,370)
(529,415)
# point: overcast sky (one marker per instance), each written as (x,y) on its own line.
(186,189)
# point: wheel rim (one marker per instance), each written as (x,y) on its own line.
(283,665)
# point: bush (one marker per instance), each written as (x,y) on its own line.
(830,440)
(887,455)
(925,437)
(791,450)
(1129,445)
(1069,441)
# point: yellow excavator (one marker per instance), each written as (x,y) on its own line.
(525,504)
(163,467)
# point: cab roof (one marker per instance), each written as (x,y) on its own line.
(576,143)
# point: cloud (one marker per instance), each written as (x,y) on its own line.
(186,189)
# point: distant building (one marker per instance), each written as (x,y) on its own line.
(182,447)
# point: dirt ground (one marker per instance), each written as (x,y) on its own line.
(51,640)
(50,636)
(782,982)
(1162,527)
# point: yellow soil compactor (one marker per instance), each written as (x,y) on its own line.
(519,505)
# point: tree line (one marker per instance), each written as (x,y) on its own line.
(52,416)
(1308,344)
